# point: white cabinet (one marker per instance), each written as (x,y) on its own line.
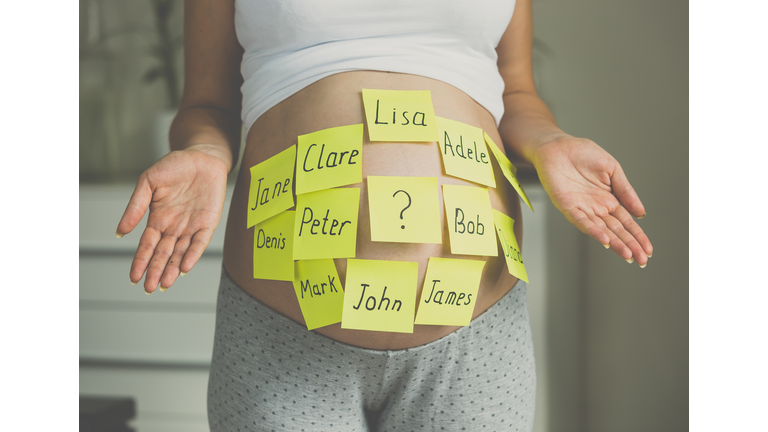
(156,349)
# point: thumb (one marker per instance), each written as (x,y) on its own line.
(137,206)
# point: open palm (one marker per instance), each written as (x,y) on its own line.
(589,187)
(184,192)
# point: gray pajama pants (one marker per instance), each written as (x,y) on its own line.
(269,373)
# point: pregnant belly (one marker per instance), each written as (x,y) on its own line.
(336,101)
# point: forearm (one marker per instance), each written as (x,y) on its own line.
(211,130)
(526,125)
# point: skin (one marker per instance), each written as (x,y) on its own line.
(184,191)
(583,181)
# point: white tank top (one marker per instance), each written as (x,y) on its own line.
(290,44)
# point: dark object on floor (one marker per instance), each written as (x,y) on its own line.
(106,413)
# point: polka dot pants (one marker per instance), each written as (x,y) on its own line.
(269,373)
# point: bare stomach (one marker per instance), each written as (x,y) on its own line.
(337,101)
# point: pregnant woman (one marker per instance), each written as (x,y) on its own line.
(289,68)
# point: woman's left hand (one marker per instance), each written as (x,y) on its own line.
(589,187)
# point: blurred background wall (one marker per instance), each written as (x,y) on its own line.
(614,71)
(131,60)
(617,72)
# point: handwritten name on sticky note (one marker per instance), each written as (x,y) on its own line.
(273,248)
(329,158)
(404,209)
(505,229)
(400,115)
(450,292)
(319,292)
(380,295)
(271,191)
(509,170)
(464,152)
(326,224)
(469,217)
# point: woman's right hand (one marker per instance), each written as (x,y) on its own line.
(184,192)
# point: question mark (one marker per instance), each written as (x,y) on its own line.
(406,207)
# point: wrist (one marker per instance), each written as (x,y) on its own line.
(544,143)
(219,152)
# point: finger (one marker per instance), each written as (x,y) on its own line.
(634,229)
(143,255)
(632,246)
(160,259)
(172,269)
(614,243)
(626,194)
(136,208)
(592,226)
(613,237)
(196,248)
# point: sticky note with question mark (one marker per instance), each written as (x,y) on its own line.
(404,209)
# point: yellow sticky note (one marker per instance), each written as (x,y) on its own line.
(508,169)
(464,152)
(326,224)
(273,248)
(319,291)
(271,191)
(400,115)
(404,209)
(450,292)
(329,158)
(380,295)
(505,229)
(469,219)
